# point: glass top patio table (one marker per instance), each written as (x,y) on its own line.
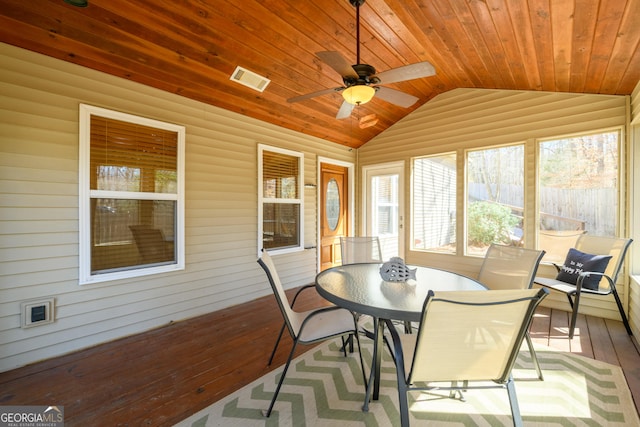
(361,289)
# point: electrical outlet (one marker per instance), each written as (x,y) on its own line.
(37,312)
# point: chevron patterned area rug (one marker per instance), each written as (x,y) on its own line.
(323,388)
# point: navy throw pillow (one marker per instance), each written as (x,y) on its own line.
(578,262)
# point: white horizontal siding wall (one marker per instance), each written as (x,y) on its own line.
(39,98)
(634,206)
(469,118)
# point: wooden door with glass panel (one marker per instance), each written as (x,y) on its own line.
(333,213)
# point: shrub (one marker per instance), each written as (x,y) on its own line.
(490,223)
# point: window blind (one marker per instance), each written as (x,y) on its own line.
(131,157)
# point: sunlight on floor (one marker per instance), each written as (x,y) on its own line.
(562,394)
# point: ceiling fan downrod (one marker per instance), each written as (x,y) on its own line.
(357,4)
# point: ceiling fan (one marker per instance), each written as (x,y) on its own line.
(361,83)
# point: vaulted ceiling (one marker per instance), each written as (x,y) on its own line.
(191,48)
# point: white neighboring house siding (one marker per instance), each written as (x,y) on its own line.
(39,98)
(469,118)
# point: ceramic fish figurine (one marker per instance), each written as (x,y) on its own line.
(395,270)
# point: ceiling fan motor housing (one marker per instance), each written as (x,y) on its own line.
(366,76)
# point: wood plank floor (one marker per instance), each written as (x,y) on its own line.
(160,377)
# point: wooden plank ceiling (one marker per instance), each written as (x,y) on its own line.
(191,48)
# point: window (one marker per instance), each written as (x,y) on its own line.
(280,199)
(385,205)
(495,198)
(572,187)
(433,193)
(578,186)
(131,195)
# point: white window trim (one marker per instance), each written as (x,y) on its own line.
(85,276)
(261,200)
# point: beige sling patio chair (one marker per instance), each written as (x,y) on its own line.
(354,250)
(511,267)
(475,348)
(360,249)
(310,326)
(151,244)
(556,242)
(584,270)
(284,324)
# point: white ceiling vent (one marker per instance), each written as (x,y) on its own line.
(250,79)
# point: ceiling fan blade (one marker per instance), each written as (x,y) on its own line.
(395,97)
(314,94)
(336,61)
(407,72)
(345,110)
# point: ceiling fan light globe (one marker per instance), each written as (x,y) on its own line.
(358,94)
